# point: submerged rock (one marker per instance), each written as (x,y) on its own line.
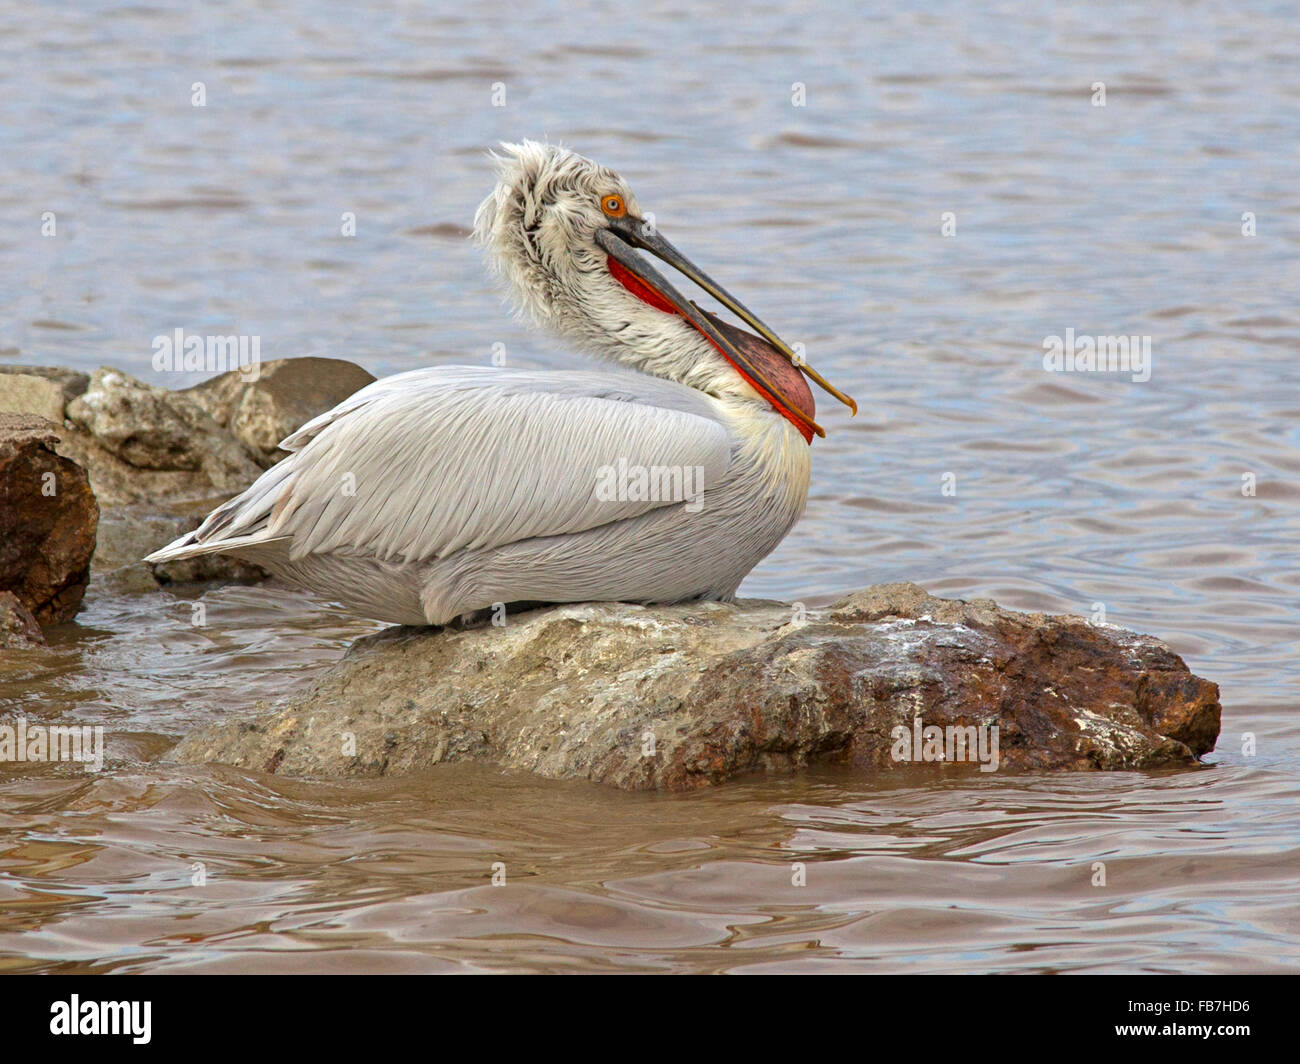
(287,393)
(48,518)
(128,533)
(677,697)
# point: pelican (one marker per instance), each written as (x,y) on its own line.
(447,491)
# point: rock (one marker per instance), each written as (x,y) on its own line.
(128,533)
(137,422)
(129,580)
(48,518)
(207,568)
(677,697)
(18,628)
(152,428)
(41,390)
(144,444)
(287,393)
(118,483)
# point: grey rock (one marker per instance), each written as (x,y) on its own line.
(135,579)
(153,430)
(677,697)
(117,482)
(144,444)
(41,390)
(287,393)
(128,533)
(209,568)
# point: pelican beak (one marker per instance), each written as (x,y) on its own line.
(628,232)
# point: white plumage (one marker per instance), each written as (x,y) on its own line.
(442,491)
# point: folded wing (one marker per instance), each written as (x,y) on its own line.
(424,464)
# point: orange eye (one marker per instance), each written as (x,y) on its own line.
(613,206)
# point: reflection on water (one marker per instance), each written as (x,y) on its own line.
(1071,489)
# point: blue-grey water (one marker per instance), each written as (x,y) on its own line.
(920,194)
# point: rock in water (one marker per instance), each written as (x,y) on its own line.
(142,444)
(149,446)
(287,393)
(677,697)
(18,628)
(128,533)
(48,518)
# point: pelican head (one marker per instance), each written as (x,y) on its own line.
(564,232)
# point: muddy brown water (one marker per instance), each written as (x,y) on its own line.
(1073,490)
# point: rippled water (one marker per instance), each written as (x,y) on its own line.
(1072,489)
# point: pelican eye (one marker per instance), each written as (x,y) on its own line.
(613,206)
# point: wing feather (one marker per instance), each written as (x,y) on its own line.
(424,464)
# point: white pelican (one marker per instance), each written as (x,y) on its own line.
(441,492)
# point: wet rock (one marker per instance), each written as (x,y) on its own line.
(48,519)
(128,533)
(129,580)
(210,568)
(287,393)
(18,628)
(41,390)
(678,697)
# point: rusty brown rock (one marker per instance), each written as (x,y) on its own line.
(48,518)
(18,628)
(678,697)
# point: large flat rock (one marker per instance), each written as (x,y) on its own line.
(678,697)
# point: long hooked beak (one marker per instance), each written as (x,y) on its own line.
(626,233)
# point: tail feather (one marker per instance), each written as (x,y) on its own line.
(188,547)
(242,522)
